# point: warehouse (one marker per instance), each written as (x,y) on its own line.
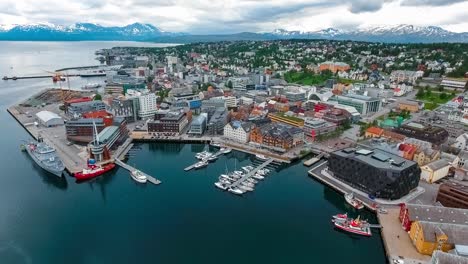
(49,119)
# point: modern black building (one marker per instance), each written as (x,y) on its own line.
(433,134)
(375,172)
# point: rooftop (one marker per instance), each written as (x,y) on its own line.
(440,214)
(376,158)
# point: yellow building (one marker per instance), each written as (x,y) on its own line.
(409,105)
(425,156)
(430,236)
(283,118)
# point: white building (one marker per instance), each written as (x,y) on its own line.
(238,131)
(148,106)
(455,115)
(49,119)
(454,83)
(401,89)
(461,142)
(435,170)
(231,101)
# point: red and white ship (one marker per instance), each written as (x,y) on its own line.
(355,226)
(93,170)
(349,197)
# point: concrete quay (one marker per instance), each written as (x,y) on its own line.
(397,243)
(73,156)
(321,173)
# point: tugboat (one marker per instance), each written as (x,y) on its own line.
(355,226)
(93,170)
(349,197)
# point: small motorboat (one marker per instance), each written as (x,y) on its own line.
(349,197)
(227,150)
(261,157)
(258,177)
(236,191)
(138,176)
(341,216)
(200,164)
(220,185)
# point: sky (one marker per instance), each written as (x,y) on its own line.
(229,16)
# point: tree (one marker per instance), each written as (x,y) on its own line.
(443,96)
(420,92)
(229,84)
(428,93)
(440,88)
(97,97)
(150,66)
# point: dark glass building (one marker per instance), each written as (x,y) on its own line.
(375,172)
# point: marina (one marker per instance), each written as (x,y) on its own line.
(205,157)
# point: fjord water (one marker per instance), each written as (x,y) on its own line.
(184,220)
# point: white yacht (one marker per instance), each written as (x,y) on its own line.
(200,164)
(258,177)
(247,168)
(246,188)
(261,157)
(248,184)
(138,176)
(236,191)
(220,186)
(227,150)
(252,180)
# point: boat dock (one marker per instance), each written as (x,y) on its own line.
(130,169)
(313,160)
(217,154)
(251,173)
(123,149)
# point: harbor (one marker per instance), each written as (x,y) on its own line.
(132,169)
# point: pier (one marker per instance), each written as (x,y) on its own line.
(251,173)
(130,169)
(14,78)
(313,160)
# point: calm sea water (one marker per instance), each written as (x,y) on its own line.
(185,220)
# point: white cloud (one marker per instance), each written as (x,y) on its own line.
(225,16)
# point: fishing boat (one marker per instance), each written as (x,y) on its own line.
(355,226)
(93,170)
(349,197)
(341,216)
(138,176)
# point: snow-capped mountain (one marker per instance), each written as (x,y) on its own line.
(80,31)
(395,33)
(138,31)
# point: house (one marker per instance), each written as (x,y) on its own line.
(404,76)
(461,142)
(402,88)
(409,106)
(429,236)
(435,170)
(238,131)
(277,136)
(455,115)
(374,132)
(426,155)
(410,213)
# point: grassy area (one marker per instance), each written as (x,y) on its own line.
(306,78)
(433,99)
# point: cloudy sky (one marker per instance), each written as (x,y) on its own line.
(227,16)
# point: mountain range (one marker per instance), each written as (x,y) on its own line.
(148,32)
